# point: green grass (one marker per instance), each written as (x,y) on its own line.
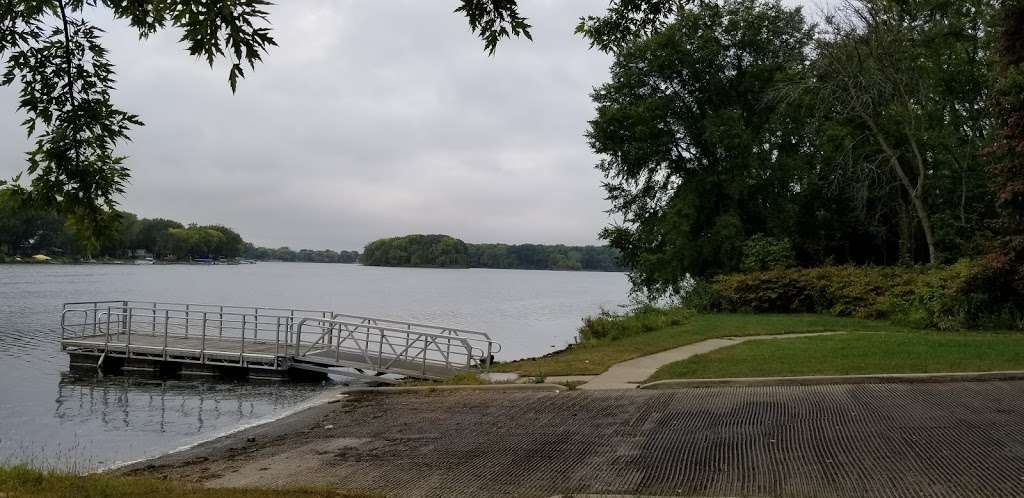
(594,357)
(857,353)
(20,481)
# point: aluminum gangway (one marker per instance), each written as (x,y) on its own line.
(268,339)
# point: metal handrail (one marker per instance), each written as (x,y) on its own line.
(383,328)
(124,326)
(494,347)
(160,304)
(285,330)
(409,353)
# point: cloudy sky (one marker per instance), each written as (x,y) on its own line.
(371,119)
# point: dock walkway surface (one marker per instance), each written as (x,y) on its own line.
(880,440)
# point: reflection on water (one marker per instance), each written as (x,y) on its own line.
(149,405)
(51,418)
(101,421)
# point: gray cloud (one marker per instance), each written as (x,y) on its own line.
(370,119)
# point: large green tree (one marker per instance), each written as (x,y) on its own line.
(1004,276)
(26,229)
(856,141)
(901,90)
(696,154)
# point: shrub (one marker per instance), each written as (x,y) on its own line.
(762,253)
(611,326)
(941,297)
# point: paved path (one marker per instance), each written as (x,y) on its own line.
(894,440)
(629,374)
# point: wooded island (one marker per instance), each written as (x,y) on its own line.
(445,251)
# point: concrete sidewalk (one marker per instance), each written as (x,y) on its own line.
(631,373)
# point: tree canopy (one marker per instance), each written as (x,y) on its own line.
(856,141)
(694,153)
(444,251)
(1005,258)
(27,229)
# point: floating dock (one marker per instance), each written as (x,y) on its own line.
(205,339)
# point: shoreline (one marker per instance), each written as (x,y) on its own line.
(331,394)
(231,444)
(303,413)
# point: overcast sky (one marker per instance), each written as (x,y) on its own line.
(371,119)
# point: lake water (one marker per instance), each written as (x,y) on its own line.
(51,418)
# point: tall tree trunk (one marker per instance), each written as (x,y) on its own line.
(915,192)
(926,226)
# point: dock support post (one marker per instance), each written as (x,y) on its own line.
(167,321)
(241,354)
(128,346)
(202,343)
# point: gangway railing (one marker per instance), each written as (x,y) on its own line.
(384,348)
(275,338)
(485,345)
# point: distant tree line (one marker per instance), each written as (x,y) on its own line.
(27,229)
(444,251)
(302,255)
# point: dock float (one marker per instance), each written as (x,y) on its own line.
(210,339)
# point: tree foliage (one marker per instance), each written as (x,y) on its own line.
(65,81)
(493,20)
(27,229)
(693,152)
(444,251)
(857,141)
(300,256)
(904,84)
(1003,276)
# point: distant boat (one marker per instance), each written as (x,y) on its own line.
(203,261)
(147,261)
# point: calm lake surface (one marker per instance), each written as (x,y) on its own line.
(51,418)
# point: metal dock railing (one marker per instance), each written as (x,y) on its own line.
(270,338)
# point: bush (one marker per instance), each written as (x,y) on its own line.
(611,326)
(945,298)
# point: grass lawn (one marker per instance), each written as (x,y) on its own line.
(24,482)
(594,357)
(857,353)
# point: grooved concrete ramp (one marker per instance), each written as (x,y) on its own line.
(892,440)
